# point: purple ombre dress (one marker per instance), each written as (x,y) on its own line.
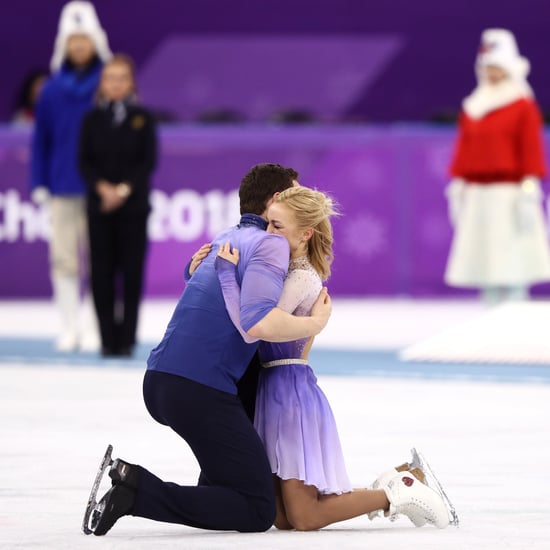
(293,416)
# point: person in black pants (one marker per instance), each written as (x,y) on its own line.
(117,156)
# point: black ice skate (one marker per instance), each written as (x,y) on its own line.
(418,461)
(91,512)
(117,502)
(100,516)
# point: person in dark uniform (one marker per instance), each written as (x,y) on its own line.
(118,150)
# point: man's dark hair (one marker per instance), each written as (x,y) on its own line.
(293,173)
(260,184)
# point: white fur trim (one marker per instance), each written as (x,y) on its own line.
(490,97)
(79,17)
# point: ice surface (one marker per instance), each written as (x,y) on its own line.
(488,442)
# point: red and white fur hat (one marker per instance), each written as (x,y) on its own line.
(499,48)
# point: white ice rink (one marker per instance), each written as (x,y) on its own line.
(488,440)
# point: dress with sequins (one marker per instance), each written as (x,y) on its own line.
(293,416)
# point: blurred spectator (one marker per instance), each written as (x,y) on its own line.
(80,49)
(293,116)
(117,155)
(27,97)
(221,116)
(444,117)
(495,201)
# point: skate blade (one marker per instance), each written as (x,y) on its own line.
(419,461)
(92,503)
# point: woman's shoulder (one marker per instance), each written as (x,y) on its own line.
(302,269)
(525,108)
(304,285)
(530,104)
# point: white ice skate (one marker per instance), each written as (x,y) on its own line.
(420,503)
(383,479)
(420,468)
(418,461)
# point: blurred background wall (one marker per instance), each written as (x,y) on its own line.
(359,96)
(409,60)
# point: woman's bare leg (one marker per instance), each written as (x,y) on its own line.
(307,510)
(281,521)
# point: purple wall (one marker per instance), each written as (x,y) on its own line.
(393,238)
(422,67)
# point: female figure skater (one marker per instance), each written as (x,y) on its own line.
(293,417)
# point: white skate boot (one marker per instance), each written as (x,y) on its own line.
(417,501)
(383,479)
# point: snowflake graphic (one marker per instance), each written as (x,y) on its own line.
(365,237)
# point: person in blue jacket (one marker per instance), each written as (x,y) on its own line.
(80,49)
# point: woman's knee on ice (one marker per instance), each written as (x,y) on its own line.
(302,520)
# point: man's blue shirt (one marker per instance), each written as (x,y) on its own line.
(201,343)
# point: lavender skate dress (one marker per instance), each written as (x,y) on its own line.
(293,416)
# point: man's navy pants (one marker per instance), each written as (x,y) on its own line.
(239,494)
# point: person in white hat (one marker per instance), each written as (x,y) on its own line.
(80,49)
(495,201)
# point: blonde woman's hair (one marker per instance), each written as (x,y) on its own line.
(313,209)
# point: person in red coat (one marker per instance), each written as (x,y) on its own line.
(500,242)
